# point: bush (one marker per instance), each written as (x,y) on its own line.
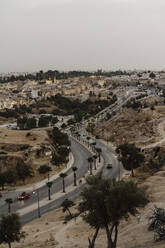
(44,169)
(42,111)
(28,134)
(44,121)
(24,147)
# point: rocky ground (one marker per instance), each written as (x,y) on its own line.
(142,127)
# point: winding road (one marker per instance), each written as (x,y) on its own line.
(81,155)
(28,209)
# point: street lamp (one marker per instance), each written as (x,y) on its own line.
(38,201)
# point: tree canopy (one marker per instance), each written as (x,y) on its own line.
(130,156)
(10,229)
(105,202)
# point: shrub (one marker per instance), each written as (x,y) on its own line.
(28,134)
(44,169)
(24,147)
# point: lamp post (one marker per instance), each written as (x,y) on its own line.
(38,200)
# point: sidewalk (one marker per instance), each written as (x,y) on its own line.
(69,189)
(52,178)
(58,195)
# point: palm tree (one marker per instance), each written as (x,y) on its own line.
(63,175)
(66,204)
(90,160)
(95,157)
(98,150)
(9,201)
(88,138)
(93,146)
(49,185)
(74,169)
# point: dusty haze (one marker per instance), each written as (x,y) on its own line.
(81,34)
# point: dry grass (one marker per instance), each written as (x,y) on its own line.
(49,231)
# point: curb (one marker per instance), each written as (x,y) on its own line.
(52,178)
(57,195)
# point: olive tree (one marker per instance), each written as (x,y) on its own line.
(10,229)
(105,202)
(130,156)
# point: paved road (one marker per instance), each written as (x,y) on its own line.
(80,160)
(109,157)
(80,155)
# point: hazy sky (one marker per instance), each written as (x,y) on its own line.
(81,34)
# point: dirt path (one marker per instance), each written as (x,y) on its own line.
(61,236)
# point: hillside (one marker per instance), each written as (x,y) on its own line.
(50,231)
(142,127)
(31,147)
(146,129)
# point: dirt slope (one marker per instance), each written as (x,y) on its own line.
(49,231)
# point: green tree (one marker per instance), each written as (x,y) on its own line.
(78,116)
(88,138)
(66,204)
(44,121)
(31,123)
(63,126)
(152,75)
(10,229)
(130,156)
(90,161)
(9,201)
(21,122)
(105,202)
(54,120)
(59,138)
(98,150)
(23,171)
(74,169)
(93,146)
(43,169)
(2,179)
(94,158)
(90,127)
(11,176)
(63,175)
(49,185)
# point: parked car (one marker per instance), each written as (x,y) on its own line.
(24,196)
(109,166)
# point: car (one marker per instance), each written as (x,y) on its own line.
(109,166)
(24,196)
